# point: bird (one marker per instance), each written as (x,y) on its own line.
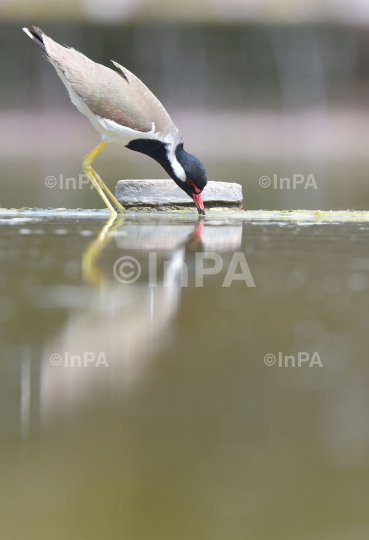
(123,110)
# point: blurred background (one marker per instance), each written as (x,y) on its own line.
(257,87)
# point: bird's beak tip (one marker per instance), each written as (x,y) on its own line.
(199,203)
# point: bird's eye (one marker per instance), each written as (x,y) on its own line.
(191,183)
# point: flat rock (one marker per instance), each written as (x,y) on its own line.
(167,193)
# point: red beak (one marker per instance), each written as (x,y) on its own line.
(199,204)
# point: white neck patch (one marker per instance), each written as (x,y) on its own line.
(176,166)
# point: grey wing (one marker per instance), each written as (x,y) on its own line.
(108,94)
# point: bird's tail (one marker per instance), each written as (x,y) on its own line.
(37,35)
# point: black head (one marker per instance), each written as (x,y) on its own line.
(196,177)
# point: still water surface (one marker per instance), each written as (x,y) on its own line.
(186,433)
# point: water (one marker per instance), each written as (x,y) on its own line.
(186,432)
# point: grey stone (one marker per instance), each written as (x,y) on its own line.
(167,193)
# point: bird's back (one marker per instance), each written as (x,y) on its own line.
(118,96)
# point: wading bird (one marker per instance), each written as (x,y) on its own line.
(123,110)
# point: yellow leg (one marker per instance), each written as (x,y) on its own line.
(120,208)
(97,182)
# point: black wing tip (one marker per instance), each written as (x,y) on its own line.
(36,35)
(120,71)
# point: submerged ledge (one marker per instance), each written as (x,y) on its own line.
(190,214)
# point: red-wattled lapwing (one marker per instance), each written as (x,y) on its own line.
(123,110)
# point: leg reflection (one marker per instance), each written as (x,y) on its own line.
(90,272)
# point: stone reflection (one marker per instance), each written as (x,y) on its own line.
(115,329)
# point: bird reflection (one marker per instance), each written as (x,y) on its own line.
(126,323)
(90,271)
(196,235)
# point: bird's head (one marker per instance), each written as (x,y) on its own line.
(196,177)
